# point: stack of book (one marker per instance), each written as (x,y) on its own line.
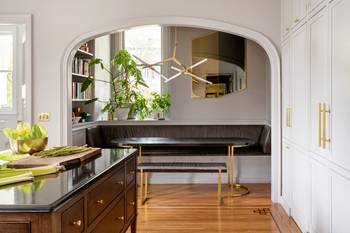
(78,94)
(81,66)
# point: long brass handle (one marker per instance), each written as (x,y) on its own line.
(324,133)
(290,117)
(320,110)
(77,223)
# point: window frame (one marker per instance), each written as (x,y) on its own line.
(12,30)
(165,36)
(23,70)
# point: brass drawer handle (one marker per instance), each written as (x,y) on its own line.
(121,218)
(132,203)
(77,223)
(132,172)
(100,201)
(120,182)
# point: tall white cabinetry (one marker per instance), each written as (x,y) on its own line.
(316,112)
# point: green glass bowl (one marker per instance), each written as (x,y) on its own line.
(28,146)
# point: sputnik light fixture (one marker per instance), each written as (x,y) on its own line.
(183,70)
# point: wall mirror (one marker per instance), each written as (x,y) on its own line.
(225,65)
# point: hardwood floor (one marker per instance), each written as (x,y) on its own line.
(193,208)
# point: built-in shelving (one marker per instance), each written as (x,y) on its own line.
(80,72)
(85,53)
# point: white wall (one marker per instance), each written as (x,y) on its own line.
(57,23)
(102,89)
(249,105)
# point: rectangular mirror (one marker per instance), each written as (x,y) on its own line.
(225,67)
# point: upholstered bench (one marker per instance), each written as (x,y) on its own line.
(145,168)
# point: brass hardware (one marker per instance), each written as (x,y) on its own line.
(237,190)
(100,201)
(289,117)
(296,20)
(131,172)
(219,186)
(320,110)
(228,165)
(141,185)
(121,218)
(324,136)
(132,203)
(146,187)
(77,223)
(120,182)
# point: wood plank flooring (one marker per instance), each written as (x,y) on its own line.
(194,208)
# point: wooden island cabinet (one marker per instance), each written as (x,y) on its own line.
(98,196)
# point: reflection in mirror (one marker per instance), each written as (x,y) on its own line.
(225,67)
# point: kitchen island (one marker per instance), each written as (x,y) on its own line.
(97,196)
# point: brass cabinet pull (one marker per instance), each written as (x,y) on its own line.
(77,223)
(289,117)
(324,131)
(100,201)
(320,119)
(132,203)
(121,218)
(120,182)
(132,172)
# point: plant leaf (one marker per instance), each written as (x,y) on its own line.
(87,82)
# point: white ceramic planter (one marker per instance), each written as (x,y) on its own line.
(121,113)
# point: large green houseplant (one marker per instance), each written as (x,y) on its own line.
(126,80)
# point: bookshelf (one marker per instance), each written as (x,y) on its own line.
(80,72)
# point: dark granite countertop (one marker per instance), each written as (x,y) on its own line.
(46,194)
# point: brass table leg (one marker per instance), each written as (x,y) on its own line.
(219,186)
(236,189)
(141,185)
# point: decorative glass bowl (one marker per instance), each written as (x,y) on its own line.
(28,146)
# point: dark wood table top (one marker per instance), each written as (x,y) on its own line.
(168,141)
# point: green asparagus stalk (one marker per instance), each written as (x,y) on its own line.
(61,151)
(35,171)
(16,178)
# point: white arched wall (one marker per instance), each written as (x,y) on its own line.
(259,38)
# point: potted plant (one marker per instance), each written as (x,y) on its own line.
(160,104)
(126,80)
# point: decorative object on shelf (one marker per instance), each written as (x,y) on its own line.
(27,139)
(160,104)
(126,81)
(182,70)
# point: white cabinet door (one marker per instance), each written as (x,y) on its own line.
(286,90)
(301,189)
(340,48)
(320,83)
(320,199)
(287,154)
(340,204)
(300,87)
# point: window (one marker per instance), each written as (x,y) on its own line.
(7,90)
(146,43)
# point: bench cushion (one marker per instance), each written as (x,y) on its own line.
(182,167)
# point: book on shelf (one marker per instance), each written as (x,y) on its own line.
(78,94)
(81,66)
